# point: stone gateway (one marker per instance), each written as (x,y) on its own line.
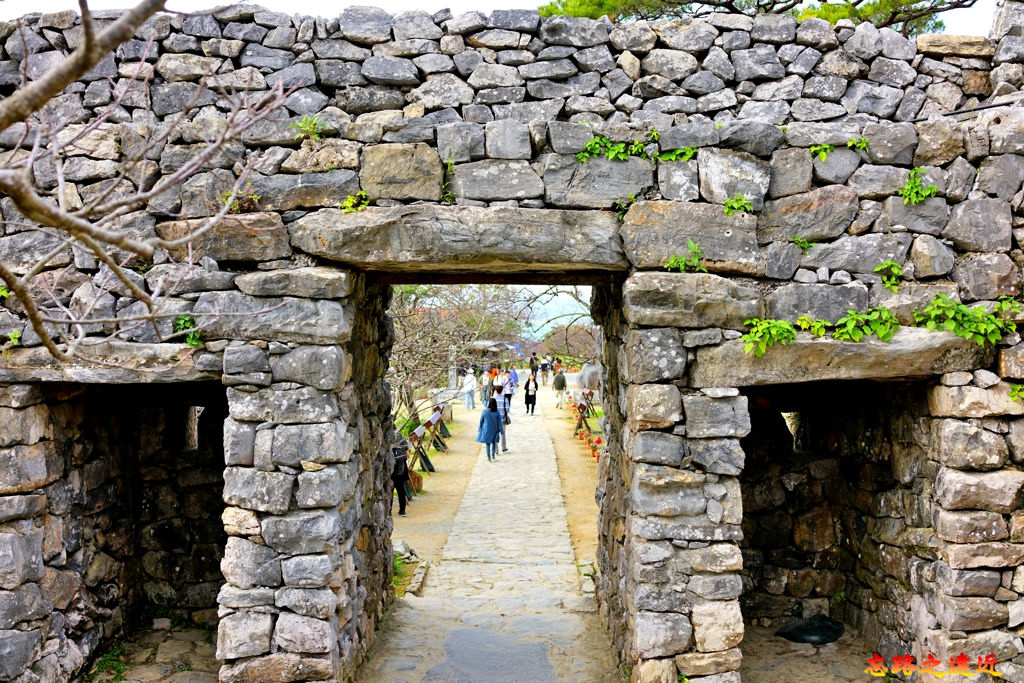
(795,157)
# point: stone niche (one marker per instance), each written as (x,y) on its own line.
(113,503)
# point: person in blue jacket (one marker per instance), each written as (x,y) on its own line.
(491,429)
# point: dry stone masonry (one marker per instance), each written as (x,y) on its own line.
(470,137)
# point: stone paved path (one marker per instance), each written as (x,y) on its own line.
(504,603)
(168,656)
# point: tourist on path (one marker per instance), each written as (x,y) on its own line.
(558,384)
(530,394)
(400,473)
(491,428)
(534,364)
(469,386)
(503,410)
(545,370)
(508,387)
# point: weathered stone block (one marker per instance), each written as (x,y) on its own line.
(912,352)
(283,192)
(820,214)
(709,663)
(725,174)
(321,367)
(718,456)
(321,443)
(401,171)
(986,277)
(860,253)
(717,625)
(653,355)
(427,237)
(980,225)
(963,446)
(255,490)
(975,555)
(307,571)
(27,468)
(233,315)
(249,565)
(597,183)
(658,448)
(970,401)
(973,526)
(652,232)
(328,487)
(661,634)
(303,532)
(823,301)
(17,649)
(495,180)
(708,417)
(666,491)
(288,406)
(653,406)
(296,633)
(999,491)
(968,614)
(688,300)
(244,634)
(280,667)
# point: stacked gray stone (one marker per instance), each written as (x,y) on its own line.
(463,132)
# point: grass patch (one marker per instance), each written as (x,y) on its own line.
(403,572)
(110,666)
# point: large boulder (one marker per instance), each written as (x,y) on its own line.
(401,171)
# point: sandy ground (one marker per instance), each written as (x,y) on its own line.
(429,515)
(578,473)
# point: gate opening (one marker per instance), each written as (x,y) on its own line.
(831,507)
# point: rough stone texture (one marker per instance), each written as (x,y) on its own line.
(462,239)
(688,300)
(653,231)
(912,352)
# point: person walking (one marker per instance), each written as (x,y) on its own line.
(503,409)
(400,473)
(469,385)
(490,429)
(558,384)
(545,370)
(534,363)
(508,388)
(530,394)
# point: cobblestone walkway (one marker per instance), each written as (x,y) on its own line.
(504,603)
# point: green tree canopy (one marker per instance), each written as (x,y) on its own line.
(909,17)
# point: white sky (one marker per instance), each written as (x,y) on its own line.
(974,21)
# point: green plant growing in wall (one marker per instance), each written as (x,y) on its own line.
(655,135)
(839,597)
(309,127)
(822,151)
(859,144)
(681,154)
(691,262)
(112,665)
(682,679)
(737,203)
(891,274)
(621,206)
(243,201)
(765,333)
(187,324)
(915,191)
(877,321)
(4,292)
(638,148)
(805,245)
(355,202)
(447,196)
(976,324)
(1016,392)
(816,326)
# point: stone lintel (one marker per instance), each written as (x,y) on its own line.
(463,239)
(912,352)
(121,363)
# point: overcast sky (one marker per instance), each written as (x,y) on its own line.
(975,21)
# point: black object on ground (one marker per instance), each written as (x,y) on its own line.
(816,630)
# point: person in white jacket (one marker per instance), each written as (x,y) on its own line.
(469,387)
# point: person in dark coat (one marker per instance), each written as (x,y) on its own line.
(491,429)
(530,394)
(399,474)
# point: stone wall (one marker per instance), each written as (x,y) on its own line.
(106,518)
(463,132)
